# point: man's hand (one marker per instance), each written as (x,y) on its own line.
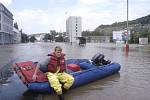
(34,77)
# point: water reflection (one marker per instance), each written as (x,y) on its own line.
(93,90)
(131,84)
(28,95)
(89,90)
(5,73)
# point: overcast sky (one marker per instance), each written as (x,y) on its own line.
(36,16)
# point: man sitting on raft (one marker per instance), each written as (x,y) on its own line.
(56,74)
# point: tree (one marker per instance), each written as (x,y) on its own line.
(53,34)
(32,39)
(59,38)
(16,25)
(24,38)
(48,37)
(134,37)
(146,33)
(86,33)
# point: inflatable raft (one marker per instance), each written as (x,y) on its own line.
(82,70)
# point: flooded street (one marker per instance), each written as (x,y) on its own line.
(131,83)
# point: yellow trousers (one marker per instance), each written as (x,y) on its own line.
(55,80)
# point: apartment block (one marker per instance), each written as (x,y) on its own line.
(73,28)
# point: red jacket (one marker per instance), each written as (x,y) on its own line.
(55,62)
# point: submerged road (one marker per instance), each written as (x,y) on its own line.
(131,83)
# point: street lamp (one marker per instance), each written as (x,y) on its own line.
(126,44)
(3,38)
(127,17)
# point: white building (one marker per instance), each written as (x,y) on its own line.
(73,28)
(16,35)
(6,25)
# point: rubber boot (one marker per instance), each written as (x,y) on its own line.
(61,97)
(64,90)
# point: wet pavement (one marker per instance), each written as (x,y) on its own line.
(131,83)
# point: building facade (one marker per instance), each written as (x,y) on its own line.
(73,28)
(6,25)
(16,35)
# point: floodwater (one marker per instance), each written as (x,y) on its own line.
(131,83)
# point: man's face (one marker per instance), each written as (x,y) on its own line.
(58,52)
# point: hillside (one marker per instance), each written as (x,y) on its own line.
(138,25)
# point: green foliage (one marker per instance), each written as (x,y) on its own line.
(140,28)
(144,20)
(146,33)
(86,33)
(138,23)
(53,34)
(24,38)
(32,39)
(134,37)
(111,39)
(47,37)
(16,25)
(92,33)
(59,38)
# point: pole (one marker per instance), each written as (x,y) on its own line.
(3,38)
(127,21)
(71,37)
(71,31)
(126,44)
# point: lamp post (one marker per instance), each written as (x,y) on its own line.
(3,38)
(126,44)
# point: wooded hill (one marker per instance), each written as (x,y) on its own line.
(139,25)
(138,28)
